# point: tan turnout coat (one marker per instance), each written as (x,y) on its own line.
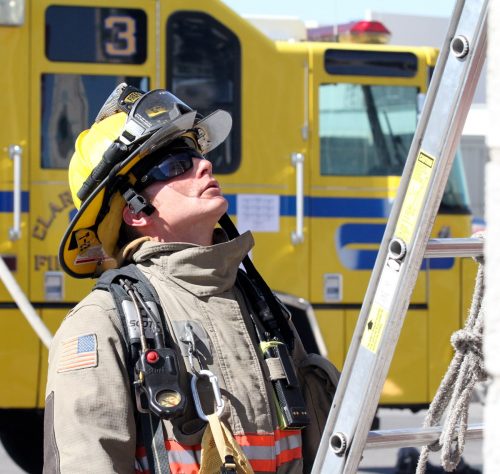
(90,425)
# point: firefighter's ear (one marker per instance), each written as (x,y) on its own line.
(133,219)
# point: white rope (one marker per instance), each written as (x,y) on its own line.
(24,304)
(456,388)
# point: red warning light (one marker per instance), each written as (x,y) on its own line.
(364,32)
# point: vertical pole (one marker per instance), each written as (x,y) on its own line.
(24,304)
(491,453)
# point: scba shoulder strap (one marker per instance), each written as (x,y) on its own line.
(130,290)
(119,282)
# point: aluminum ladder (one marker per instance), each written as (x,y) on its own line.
(404,245)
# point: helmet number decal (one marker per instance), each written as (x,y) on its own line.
(89,247)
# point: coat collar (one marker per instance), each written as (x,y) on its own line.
(201,270)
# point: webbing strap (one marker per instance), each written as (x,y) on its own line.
(220,442)
(154,442)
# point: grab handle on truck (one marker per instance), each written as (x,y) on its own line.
(16,155)
(298,233)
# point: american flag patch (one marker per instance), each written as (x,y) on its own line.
(78,352)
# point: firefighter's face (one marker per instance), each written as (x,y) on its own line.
(191,199)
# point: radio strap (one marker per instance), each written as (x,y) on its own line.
(290,405)
(275,318)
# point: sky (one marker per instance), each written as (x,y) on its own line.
(339,11)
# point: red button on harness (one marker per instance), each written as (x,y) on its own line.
(152,357)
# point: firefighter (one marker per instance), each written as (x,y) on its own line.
(178,360)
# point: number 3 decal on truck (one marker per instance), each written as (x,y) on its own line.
(122,36)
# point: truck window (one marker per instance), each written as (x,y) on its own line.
(367,130)
(456,195)
(70,103)
(204,69)
(95,35)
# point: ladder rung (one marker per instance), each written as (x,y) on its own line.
(466,247)
(401,438)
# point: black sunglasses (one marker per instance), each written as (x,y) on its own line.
(170,167)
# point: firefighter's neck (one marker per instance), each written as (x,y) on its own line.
(198,235)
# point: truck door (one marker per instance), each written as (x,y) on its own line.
(19,344)
(79,54)
(365,127)
(215,59)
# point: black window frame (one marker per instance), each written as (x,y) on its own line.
(350,62)
(235,111)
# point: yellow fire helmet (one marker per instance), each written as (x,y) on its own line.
(130,127)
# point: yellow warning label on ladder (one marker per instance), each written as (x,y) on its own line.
(414,198)
(374,327)
(405,228)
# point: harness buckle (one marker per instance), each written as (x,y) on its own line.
(229,466)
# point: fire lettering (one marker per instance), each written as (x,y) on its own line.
(42,224)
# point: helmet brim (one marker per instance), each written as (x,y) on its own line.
(82,251)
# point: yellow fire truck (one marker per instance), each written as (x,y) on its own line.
(321,133)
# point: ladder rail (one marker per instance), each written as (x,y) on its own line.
(450,94)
